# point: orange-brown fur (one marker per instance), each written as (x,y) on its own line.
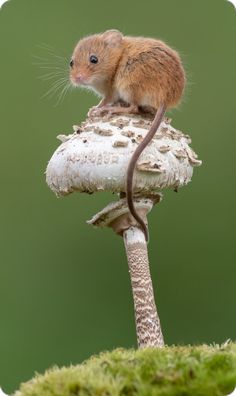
(136,70)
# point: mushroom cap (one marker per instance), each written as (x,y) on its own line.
(96,156)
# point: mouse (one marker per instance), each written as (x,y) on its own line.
(139,72)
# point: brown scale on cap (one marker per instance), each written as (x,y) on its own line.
(136,71)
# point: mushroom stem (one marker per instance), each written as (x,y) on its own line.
(148,327)
(117,216)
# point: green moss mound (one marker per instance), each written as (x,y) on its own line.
(196,371)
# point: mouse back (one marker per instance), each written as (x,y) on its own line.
(150,73)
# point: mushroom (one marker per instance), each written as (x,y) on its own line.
(95,158)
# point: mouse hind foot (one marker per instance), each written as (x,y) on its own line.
(113,110)
(131,109)
(118,109)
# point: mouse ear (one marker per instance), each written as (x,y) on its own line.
(112,37)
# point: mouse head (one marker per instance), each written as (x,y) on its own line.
(95,58)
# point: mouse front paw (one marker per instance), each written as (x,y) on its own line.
(92,111)
(97,111)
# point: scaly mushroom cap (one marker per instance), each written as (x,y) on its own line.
(96,156)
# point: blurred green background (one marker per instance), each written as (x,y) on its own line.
(65,290)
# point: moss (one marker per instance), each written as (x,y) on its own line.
(171,371)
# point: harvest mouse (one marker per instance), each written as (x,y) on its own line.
(138,71)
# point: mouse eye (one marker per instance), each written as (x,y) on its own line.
(71,63)
(93,59)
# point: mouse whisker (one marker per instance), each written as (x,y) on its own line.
(55,71)
(47,64)
(55,87)
(63,93)
(46,58)
(51,51)
(52,92)
(53,68)
(50,65)
(50,76)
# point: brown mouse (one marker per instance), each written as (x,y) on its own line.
(139,71)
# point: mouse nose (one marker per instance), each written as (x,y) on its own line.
(80,77)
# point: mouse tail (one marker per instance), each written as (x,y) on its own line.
(131,167)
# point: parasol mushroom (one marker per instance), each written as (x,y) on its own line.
(95,158)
